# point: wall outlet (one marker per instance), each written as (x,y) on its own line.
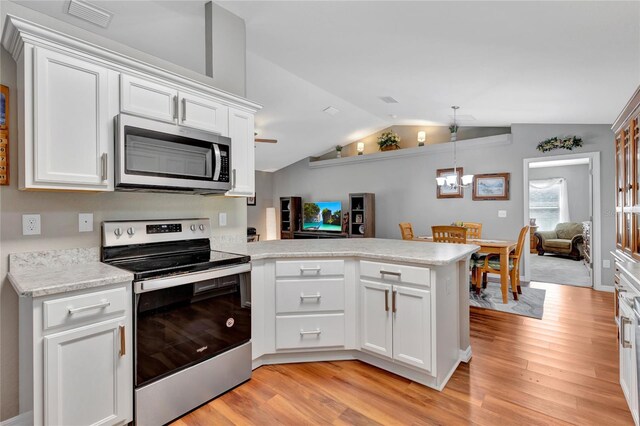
(85,222)
(222,219)
(30,224)
(606,264)
(502,213)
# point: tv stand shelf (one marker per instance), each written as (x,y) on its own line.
(317,235)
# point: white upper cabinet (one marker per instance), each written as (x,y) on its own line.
(148,99)
(71,146)
(203,113)
(241,132)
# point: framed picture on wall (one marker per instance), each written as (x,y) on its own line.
(447,191)
(491,186)
(251,201)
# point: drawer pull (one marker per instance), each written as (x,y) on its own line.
(100,305)
(310,296)
(317,332)
(123,341)
(395,274)
(303,269)
(386,300)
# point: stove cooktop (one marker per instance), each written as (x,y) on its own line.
(178,263)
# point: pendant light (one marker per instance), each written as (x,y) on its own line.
(452,181)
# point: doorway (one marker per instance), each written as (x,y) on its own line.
(562,196)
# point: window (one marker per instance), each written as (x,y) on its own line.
(548,202)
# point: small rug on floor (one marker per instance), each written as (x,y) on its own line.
(530,303)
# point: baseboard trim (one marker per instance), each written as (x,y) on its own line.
(23,419)
(465,355)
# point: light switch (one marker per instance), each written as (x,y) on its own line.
(85,222)
(502,213)
(222,219)
(606,264)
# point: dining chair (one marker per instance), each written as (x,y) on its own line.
(491,264)
(449,234)
(474,230)
(406,230)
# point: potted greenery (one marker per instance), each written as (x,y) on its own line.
(338,151)
(389,141)
(454,131)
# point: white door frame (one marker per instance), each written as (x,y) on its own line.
(596,226)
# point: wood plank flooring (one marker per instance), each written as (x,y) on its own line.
(560,370)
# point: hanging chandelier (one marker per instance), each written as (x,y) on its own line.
(452,181)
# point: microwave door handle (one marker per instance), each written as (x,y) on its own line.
(218,162)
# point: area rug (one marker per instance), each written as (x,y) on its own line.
(559,270)
(530,303)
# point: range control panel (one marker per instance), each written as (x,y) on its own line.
(121,233)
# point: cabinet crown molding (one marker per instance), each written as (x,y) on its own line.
(18,31)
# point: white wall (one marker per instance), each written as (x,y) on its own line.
(256,215)
(577,177)
(405,188)
(59,213)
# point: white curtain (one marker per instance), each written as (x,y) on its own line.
(563,200)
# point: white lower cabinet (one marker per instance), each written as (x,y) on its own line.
(309,331)
(627,349)
(396,323)
(86,378)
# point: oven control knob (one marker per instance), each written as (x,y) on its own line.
(193,228)
(117,232)
(201,227)
(131,231)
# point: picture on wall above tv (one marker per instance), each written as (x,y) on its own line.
(322,216)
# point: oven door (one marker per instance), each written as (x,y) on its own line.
(181,325)
(151,154)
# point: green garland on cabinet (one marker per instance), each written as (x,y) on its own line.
(558,142)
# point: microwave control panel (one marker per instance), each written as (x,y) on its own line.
(224,163)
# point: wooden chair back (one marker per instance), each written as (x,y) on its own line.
(521,239)
(406,230)
(449,234)
(474,230)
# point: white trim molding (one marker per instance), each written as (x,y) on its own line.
(23,419)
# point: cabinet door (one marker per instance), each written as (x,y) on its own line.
(619,189)
(412,326)
(88,376)
(628,370)
(203,113)
(148,99)
(241,132)
(375,322)
(71,124)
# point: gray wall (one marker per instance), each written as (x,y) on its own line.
(405,188)
(577,177)
(256,215)
(59,214)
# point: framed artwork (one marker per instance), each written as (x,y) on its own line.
(492,186)
(448,192)
(251,201)
(358,218)
(4,135)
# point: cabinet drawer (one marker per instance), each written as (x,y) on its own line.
(310,295)
(395,273)
(84,308)
(309,268)
(309,331)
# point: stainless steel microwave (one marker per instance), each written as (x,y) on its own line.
(162,157)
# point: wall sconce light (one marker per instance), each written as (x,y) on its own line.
(422,136)
(360,148)
(271,224)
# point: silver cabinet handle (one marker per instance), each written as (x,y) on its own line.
(625,343)
(123,341)
(101,305)
(184,109)
(310,296)
(386,300)
(104,158)
(233,178)
(175,107)
(395,274)
(317,331)
(393,301)
(303,269)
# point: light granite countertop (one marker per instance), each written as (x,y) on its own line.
(44,273)
(632,270)
(416,252)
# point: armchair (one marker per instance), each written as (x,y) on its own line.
(565,240)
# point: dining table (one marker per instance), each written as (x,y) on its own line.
(500,247)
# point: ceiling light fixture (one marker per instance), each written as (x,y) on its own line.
(452,181)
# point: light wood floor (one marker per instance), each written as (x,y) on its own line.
(558,370)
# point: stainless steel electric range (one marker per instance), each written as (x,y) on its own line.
(192,311)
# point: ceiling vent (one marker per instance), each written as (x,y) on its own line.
(331,110)
(388,100)
(90,13)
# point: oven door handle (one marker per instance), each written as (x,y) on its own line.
(160,283)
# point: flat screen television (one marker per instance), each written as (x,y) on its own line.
(325,216)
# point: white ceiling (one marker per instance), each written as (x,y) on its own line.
(502,62)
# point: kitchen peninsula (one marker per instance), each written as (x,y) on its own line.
(399,305)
